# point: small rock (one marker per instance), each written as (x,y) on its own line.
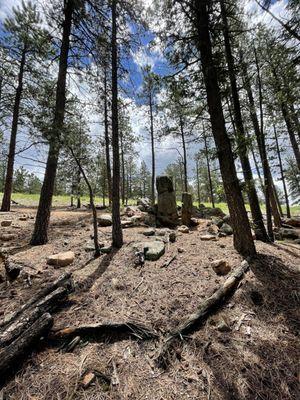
(213,230)
(23,218)
(104,220)
(172,237)
(183,229)
(6,237)
(222,326)
(217,221)
(61,259)
(153,250)
(162,232)
(88,378)
(149,232)
(127,223)
(106,249)
(6,222)
(180,250)
(221,267)
(208,237)
(225,228)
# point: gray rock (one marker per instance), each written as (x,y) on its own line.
(149,232)
(143,204)
(225,228)
(166,203)
(183,229)
(187,208)
(172,237)
(217,221)
(104,220)
(153,249)
(207,237)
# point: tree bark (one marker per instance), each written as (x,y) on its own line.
(288,212)
(117,235)
(209,173)
(198,181)
(123,170)
(92,203)
(259,227)
(40,234)
(243,241)
(270,199)
(184,155)
(8,186)
(152,150)
(106,136)
(10,355)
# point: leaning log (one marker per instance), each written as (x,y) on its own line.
(203,311)
(10,355)
(48,304)
(130,329)
(63,281)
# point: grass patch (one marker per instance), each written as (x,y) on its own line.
(26,199)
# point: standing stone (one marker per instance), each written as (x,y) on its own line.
(166,202)
(187,209)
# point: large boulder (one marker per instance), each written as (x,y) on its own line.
(104,220)
(166,202)
(187,208)
(226,229)
(61,259)
(144,204)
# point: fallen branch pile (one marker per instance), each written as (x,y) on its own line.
(30,322)
(202,313)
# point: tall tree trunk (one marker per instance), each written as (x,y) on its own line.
(287,117)
(106,136)
(259,227)
(288,212)
(184,154)
(295,119)
(152,149)
(13,137)
(92,203)
(209,173)
(40,233)
(78,189)
(123,170)
(243,241)
(198,181)
(117,234)
(270,199)
(262,146)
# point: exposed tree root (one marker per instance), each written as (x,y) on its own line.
(201,314)
(128,329)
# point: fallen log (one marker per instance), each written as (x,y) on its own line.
(11,354)
(27,318)
(130,329)
(63,281)
(202,313)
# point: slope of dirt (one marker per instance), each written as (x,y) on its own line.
(256,359)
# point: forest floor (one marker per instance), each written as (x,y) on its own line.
(256,357)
